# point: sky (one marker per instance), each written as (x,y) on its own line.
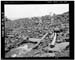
(23,11)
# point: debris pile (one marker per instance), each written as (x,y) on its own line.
(37,37)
